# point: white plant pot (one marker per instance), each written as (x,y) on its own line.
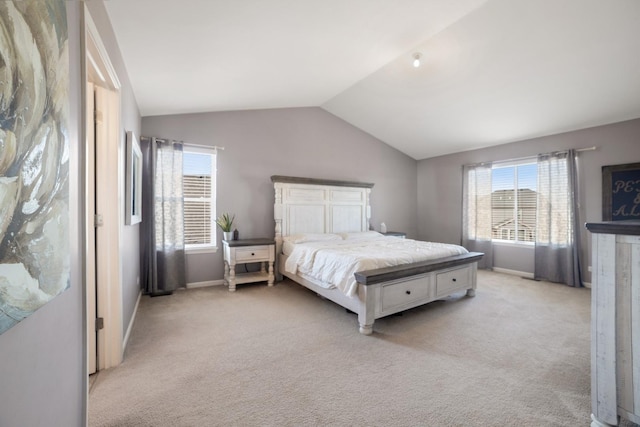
(228,235)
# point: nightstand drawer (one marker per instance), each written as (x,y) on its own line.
(252,253)
(400,234)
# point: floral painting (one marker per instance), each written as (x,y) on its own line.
(34,156)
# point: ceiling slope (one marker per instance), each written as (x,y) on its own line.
(493,71)
(215,55)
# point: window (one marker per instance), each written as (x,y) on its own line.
(514,202)
(199,170)
(524,202)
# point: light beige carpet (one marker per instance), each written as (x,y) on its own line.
(515,355)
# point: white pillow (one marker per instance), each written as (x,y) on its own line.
(361,235)
(311,237)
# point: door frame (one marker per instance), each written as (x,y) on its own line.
(90,238)
(98,66)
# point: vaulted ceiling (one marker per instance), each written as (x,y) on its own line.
(492,71)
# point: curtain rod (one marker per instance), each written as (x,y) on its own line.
(577,150)
(215,147)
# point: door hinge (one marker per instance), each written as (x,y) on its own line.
(99,323)
(98,220)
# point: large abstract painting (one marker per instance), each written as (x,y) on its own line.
(34,156)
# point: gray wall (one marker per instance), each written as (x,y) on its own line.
(440,183)
(42,358)
(305,142)
(129,120)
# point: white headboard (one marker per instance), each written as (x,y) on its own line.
(308,205)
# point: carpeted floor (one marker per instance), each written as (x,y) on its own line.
(515,355)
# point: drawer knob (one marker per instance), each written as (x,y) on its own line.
(454,279)
(252,254)
(408,292)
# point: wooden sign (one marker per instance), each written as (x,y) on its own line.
(621,192)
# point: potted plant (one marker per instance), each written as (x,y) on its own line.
(225,222)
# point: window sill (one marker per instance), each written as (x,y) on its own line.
(201,250)
(518,244)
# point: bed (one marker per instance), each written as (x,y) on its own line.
(311,212)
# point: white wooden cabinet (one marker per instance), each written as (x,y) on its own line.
(615,322)
(244,252)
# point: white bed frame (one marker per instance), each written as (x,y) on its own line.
(306,205)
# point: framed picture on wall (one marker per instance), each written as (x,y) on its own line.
(133,214)
(621,192)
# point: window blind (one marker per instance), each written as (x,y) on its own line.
(199,198)
(514,202)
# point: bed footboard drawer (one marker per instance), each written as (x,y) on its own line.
(403,294)
(453,279)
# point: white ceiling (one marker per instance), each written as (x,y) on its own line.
(493,71)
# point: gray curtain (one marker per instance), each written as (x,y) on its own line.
(476,211)
(162,231)
(557,231)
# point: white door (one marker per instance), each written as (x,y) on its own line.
(103,219)
(110,211)
(104,188)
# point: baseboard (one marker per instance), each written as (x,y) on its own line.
(205,284)
(130,327)
(514,272)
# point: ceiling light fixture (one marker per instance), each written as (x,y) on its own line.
(416,59)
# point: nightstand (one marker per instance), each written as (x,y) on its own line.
(395,234)
(247,251)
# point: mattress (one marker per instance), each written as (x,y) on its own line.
(335,262)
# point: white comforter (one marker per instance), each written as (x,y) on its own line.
(334,263)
